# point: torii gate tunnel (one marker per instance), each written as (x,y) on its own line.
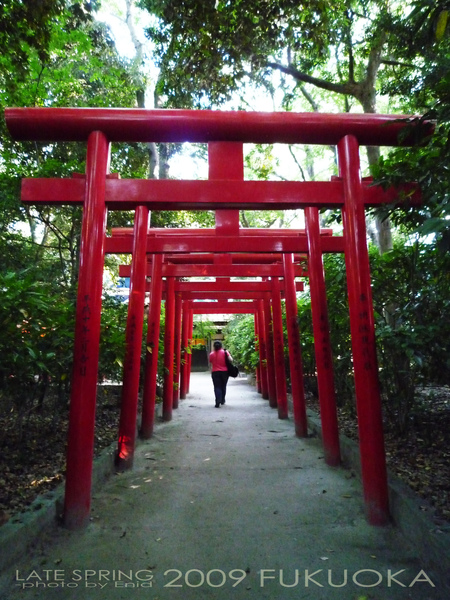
(225,192)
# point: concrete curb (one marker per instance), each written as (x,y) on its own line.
(432,542)
(24,529)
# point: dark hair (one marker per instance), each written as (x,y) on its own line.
(217,345)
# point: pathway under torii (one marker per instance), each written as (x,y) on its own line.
(222,268)
(226,192)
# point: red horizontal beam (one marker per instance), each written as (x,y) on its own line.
(216,286)
(204,308)
(173,244)
(223,270)
(205,231)
(231,287)
(221,295)
(139,125)
(170,194)
(260,270)
(236,259)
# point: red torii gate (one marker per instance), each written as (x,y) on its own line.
(267,377)
(221,288)
(225,132)
(223,268)
(121,240)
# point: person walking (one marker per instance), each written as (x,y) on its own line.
(219,372)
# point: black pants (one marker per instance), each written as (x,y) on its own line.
(220,380)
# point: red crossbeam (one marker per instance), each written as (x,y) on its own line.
(230,295)
(236,259)
(205,231)
(140,125)
(173,244)
(225,290)
(227,308)
(170,194)
(257,270)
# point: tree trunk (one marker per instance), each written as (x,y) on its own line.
(383,226)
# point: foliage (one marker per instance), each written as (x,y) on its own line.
(162,329)
(338,316)
(36,341)
(71,62)
(208,50)
(240,341)
(204,330)
(425,89)
(411,293)
(112,338)
(26,25)
(306,335)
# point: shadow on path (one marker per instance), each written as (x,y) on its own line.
(228,504)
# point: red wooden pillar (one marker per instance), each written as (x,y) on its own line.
(226,161)
(278,344)
(80,450)
(262,351)
(295,351)
(133,342)
(177,351)
(258,350)
(268,330)
(322,342)
(190,332)
(184,350)
(169,336)
(368,399)
(151,356)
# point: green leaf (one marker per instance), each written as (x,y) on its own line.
(441,25)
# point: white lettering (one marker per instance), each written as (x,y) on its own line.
(337,584)
(263,576)
(380,578)
(418,578)
(391,577)
(289,585)
(310,577)
(103,574)
(147,575)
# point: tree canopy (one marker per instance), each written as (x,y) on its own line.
(208,50)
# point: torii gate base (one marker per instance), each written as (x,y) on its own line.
(100,191)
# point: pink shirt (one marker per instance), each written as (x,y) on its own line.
(217,360)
